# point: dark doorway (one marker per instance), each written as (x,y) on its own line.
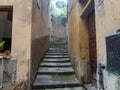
(92,43)
(6,14)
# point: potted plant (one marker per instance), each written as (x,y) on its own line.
(2,46)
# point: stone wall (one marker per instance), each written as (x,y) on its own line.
(58,32)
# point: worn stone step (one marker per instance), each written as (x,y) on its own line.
(56,60)
(55,81)
(55,70)
(56,53)
(56,49)
(57,85)
(90,87)
(48,64)
(56,56)
(68,88)
(59,50)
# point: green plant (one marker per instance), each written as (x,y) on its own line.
(2,45)
(59,10)
(7,52)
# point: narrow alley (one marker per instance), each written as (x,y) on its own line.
(59,44)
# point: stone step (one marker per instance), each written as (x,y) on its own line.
(57,51)
(56,56)
(56,60)
(48,64)
(55,81)
(68,88)
(55,70)
(90,87)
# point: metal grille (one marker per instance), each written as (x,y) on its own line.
(113,53)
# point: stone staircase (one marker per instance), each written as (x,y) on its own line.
(56,73)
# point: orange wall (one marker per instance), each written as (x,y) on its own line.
(78,41)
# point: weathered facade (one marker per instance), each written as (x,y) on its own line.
(58,31)
(30,35)
(78,41)
(89,23)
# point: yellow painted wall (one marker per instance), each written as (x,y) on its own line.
(107,16)
(78,41)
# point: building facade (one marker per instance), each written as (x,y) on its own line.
(27,22)
(89,23)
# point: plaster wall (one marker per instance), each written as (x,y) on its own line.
(39,35)
(21,42)
(107,23)
(78,41)
(30,35)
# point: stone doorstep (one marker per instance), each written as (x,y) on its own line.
(48,64)
(55,70)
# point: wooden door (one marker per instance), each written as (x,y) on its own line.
(92,44)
